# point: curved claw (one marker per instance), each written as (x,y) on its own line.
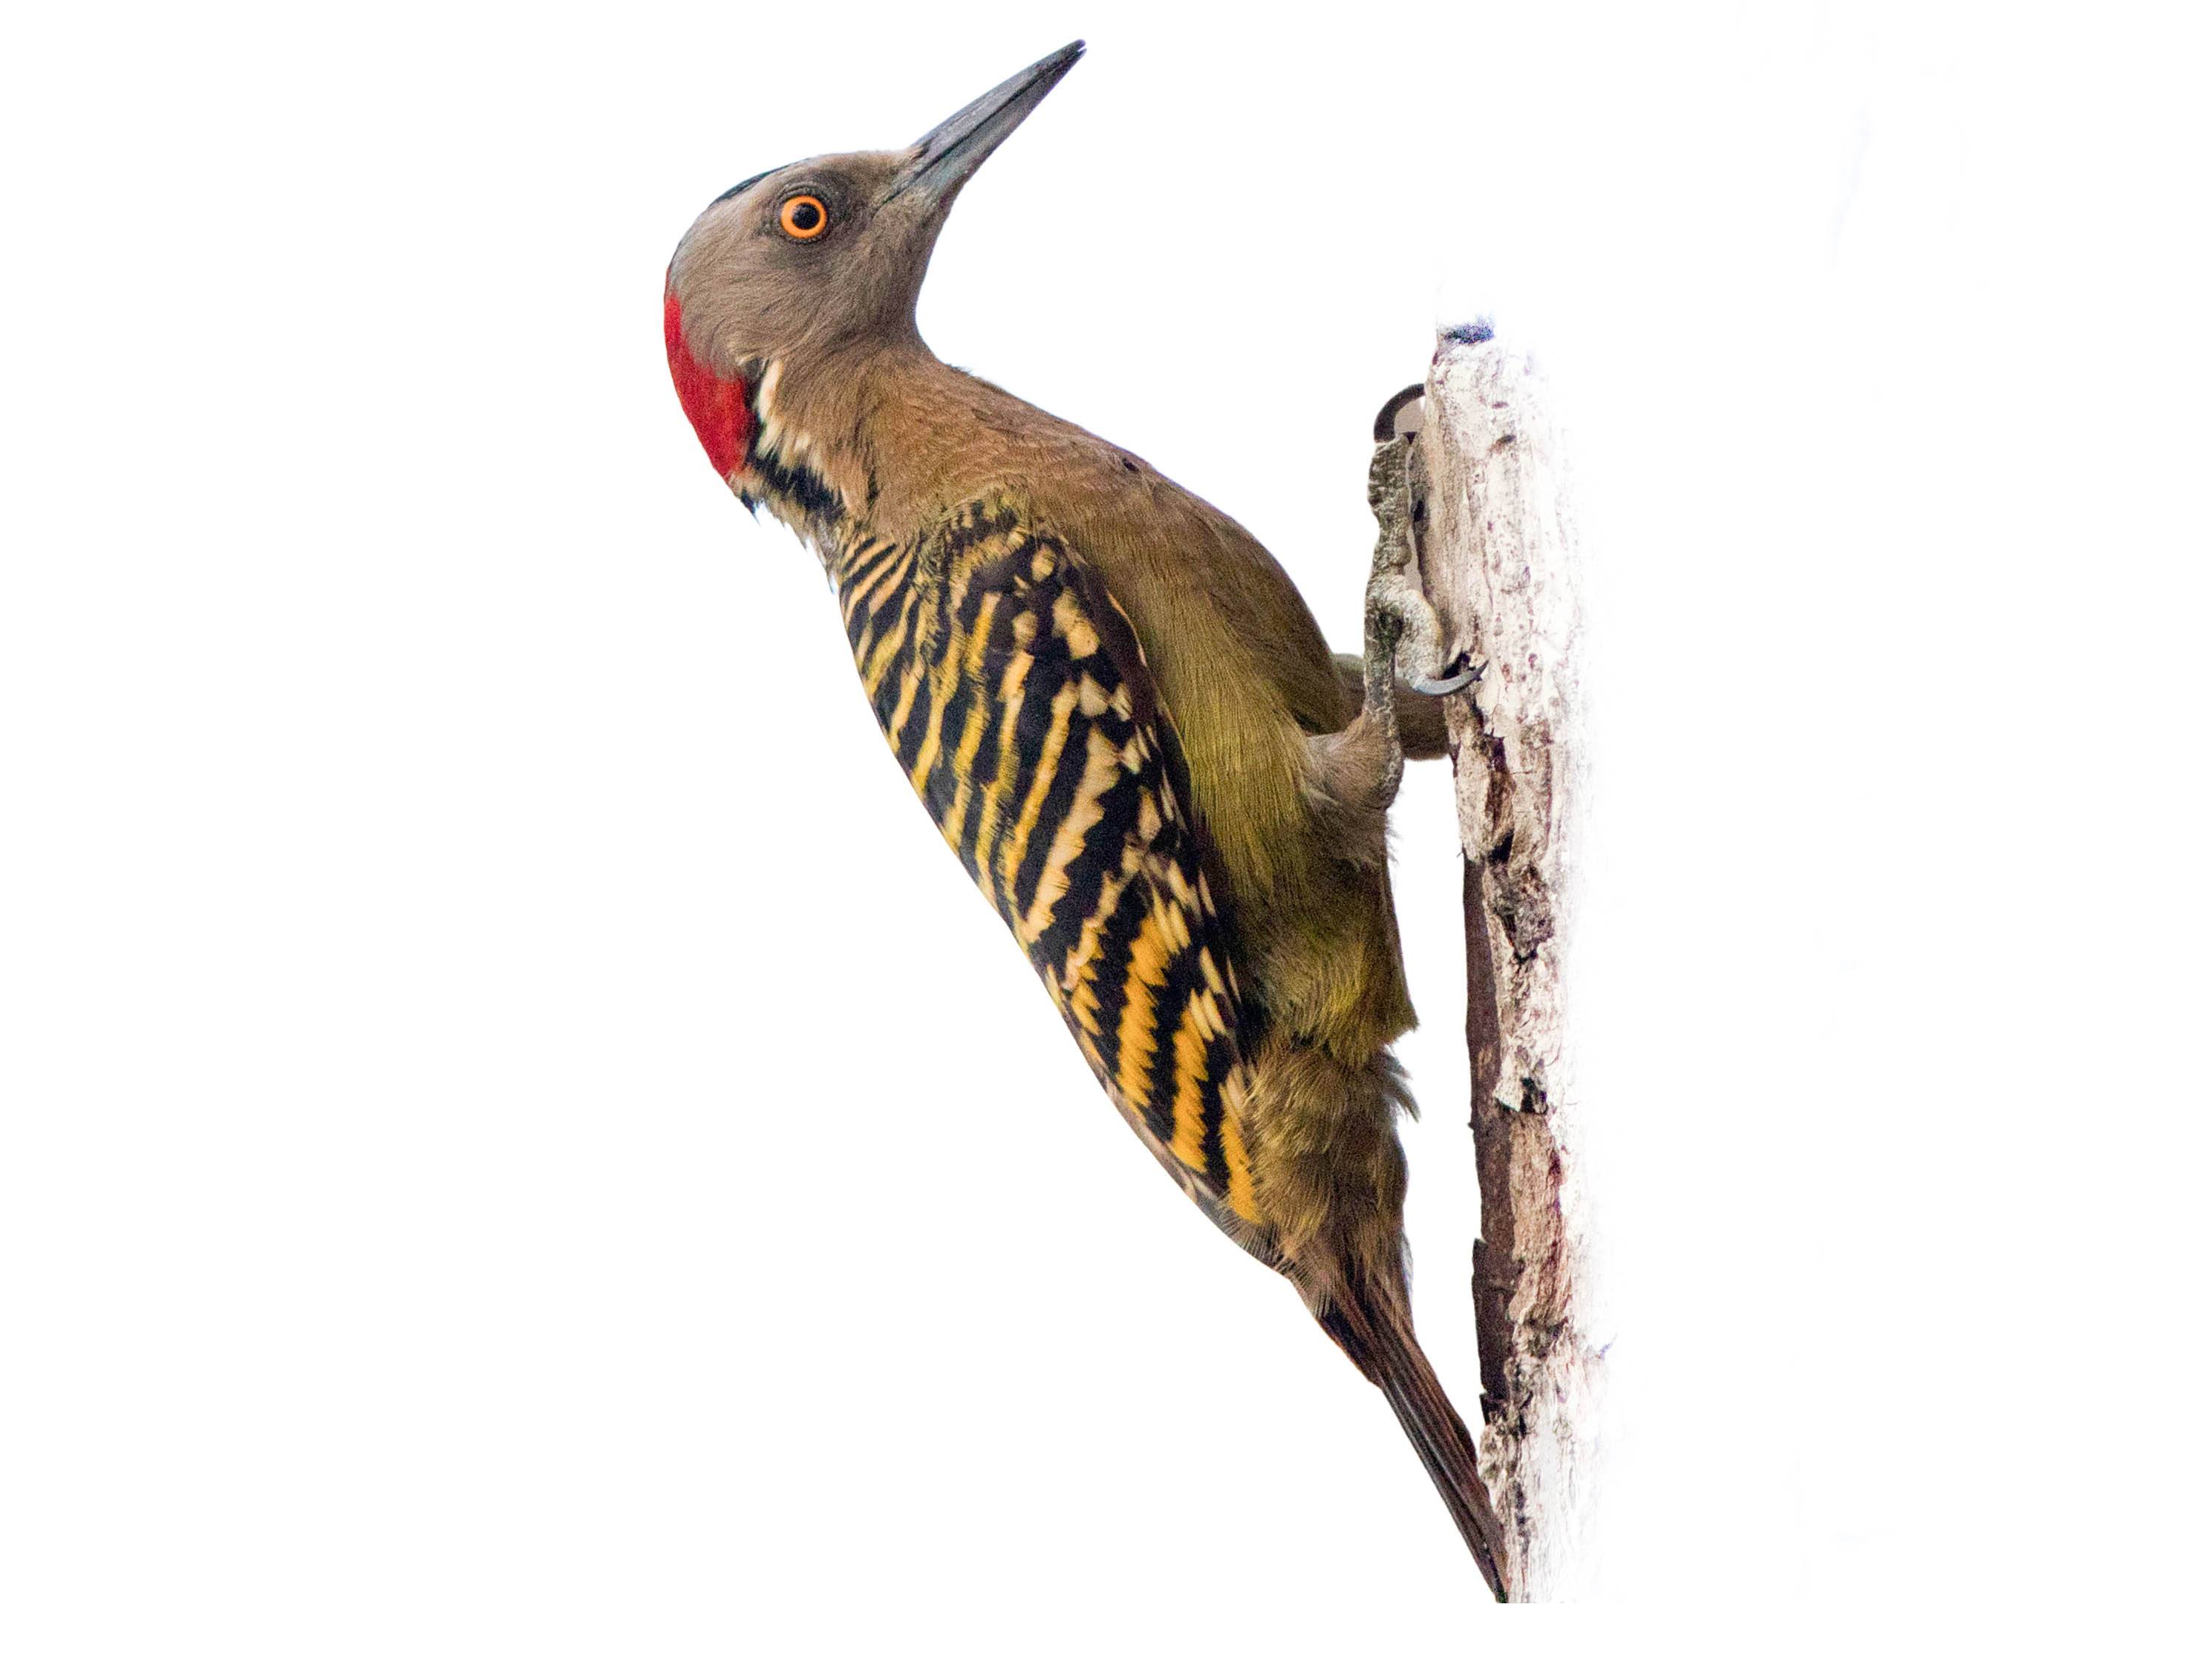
(1401,417)
(1444,688)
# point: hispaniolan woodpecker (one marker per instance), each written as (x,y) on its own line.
(1119,713)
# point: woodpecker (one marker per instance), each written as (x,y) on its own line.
(1119,713)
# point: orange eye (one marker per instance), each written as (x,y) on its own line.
(804,218)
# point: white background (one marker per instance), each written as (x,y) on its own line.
(517,1138)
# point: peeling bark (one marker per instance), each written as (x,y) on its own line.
(1496,549)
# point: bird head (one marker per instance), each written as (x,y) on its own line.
(823,256)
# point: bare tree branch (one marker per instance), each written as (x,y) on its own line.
(1497,560)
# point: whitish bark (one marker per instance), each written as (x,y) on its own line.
(1496,556)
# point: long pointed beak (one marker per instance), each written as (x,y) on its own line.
(942,159)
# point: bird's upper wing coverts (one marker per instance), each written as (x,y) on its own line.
(1016,699)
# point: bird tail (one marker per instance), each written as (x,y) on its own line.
(1378,1337)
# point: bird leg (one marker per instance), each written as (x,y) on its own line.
(1363,764)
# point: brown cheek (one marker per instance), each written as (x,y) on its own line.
(721,410)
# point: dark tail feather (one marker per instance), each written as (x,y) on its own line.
(1381,1343)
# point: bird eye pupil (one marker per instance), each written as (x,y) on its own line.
(804,215)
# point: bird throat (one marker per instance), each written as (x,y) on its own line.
(721,410)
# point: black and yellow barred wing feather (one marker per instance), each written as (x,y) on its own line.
(1014,694)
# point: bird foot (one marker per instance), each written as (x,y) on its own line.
(1361,766)
(1402,630)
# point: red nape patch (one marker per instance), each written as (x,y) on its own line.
(721,410)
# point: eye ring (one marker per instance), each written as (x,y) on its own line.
(802,218)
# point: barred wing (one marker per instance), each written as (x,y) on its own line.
(1014,694)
